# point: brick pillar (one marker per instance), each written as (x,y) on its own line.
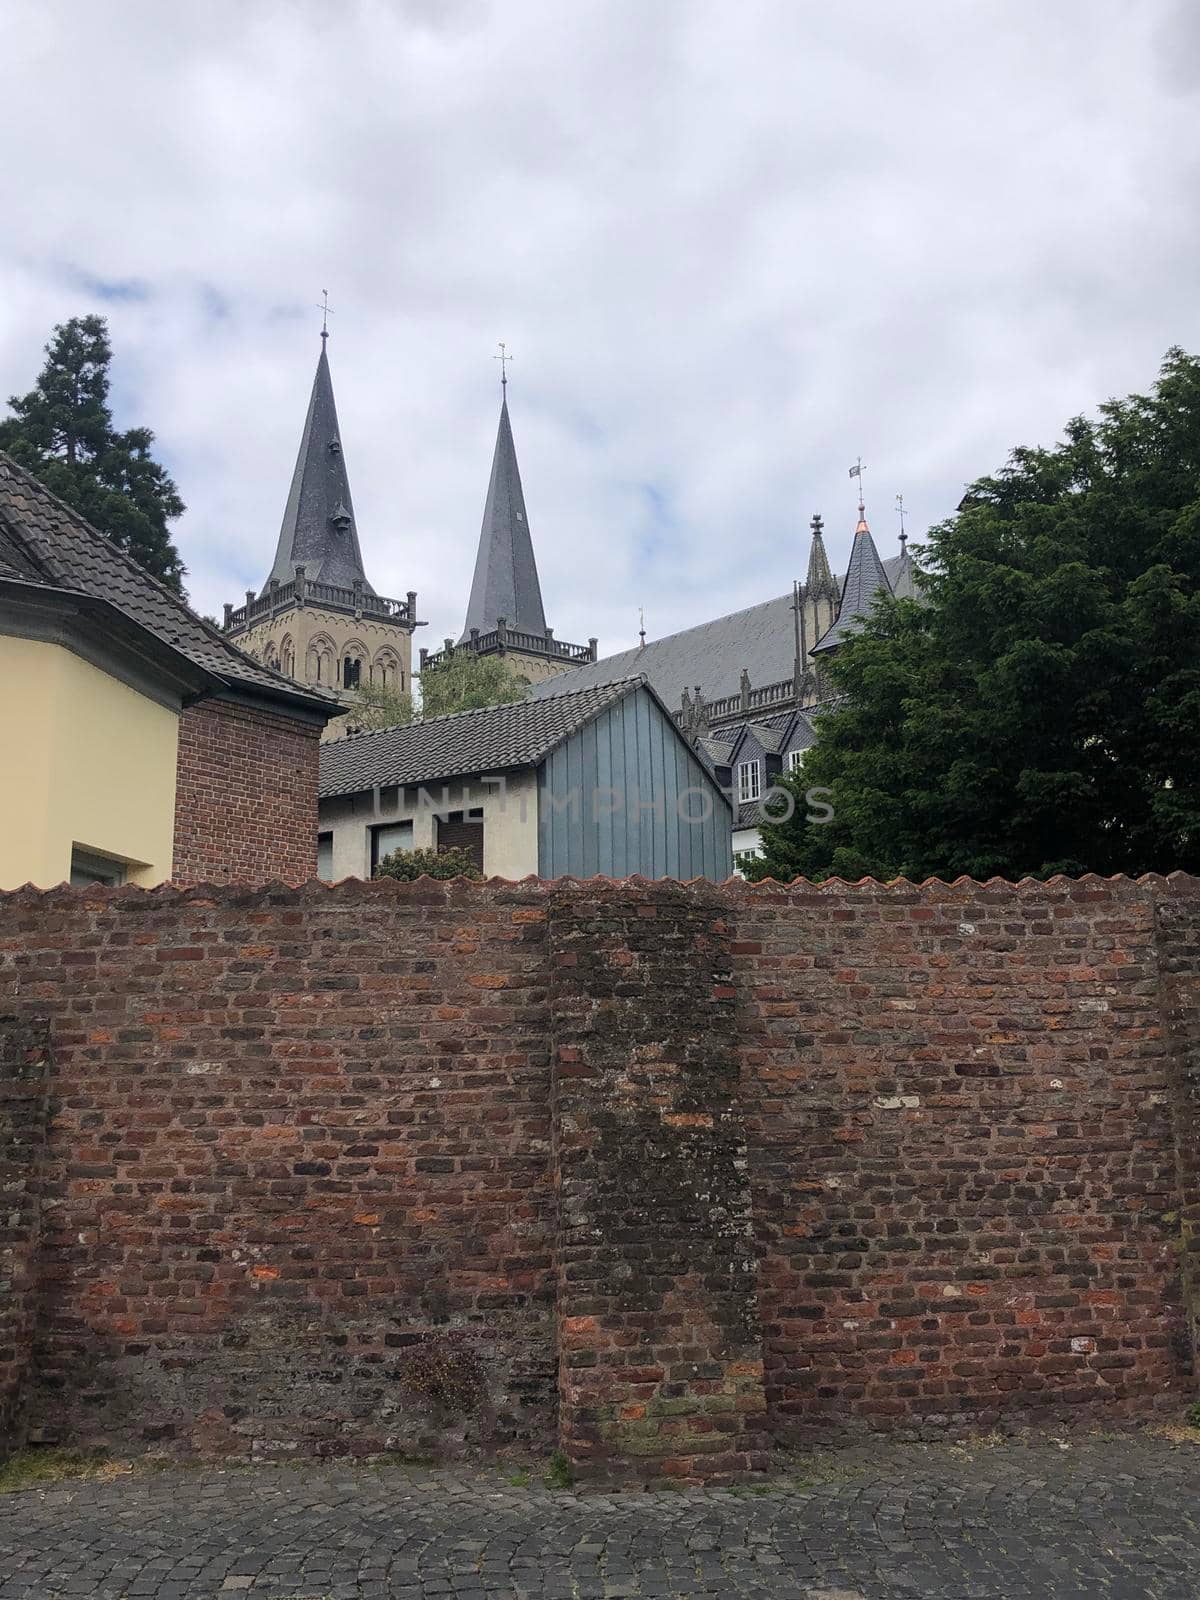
(1178,938)
(23,1056)
(660,1350)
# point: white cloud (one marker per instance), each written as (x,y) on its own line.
(732,248)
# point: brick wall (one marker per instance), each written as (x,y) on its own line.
(428,1166)
(246,796)
(23,1061)
(298,1190)
(963,1159)
(659,1339)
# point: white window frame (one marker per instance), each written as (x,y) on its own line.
(749,776)
(795,760)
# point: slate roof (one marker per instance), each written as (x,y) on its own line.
(506,579)
(820,580)
(760,638)
(42,541)
(865,576)
(319,530)
(465,743)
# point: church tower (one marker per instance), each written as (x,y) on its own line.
(317,618)
(505,615)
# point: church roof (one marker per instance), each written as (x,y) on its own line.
(319,531)
(47,545)
(494,739)
(506,579)
(865,576)
(760,638)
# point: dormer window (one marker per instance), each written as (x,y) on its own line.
(341,517)
(749,780)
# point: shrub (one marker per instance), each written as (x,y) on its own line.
(410,864)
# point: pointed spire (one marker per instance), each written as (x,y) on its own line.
(819,584)
(319,531)
(864,578)
(506,579)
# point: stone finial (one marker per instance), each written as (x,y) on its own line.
(593,649)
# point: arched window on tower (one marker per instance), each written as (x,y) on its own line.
(351,672)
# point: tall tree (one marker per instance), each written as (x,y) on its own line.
(63,432)
(1042,712)
(464,682)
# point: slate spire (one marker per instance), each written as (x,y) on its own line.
(319,531)
(864,578)
(819,584)
(506,580)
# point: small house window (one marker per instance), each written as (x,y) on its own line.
(387,838)
(749,780)
(87,867)
(325,857)
(795,760)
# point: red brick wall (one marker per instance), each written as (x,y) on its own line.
(300,1180)
(963,1159)
(298,1187)
(23,1061)
(660,1349)
(246,796)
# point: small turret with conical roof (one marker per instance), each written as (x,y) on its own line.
(864,579)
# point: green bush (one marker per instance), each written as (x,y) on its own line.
(410,864)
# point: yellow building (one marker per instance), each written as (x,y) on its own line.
(101,666)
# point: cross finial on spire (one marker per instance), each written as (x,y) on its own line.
(817,524)
(903,534)
(503,358)
(323,308)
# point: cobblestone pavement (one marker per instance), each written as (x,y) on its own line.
(1102,1517)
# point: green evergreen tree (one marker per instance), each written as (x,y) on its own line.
(1042,713)
(465,682)
(62,431)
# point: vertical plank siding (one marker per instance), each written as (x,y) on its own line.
(632,752)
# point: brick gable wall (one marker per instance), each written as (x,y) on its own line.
(652,1169)
(246,796)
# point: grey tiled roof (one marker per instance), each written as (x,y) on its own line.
(761,638)
(497,739)
(865,577)
(319,530)
(43,541)
(506,580)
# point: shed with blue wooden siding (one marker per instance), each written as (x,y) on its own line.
(598,781)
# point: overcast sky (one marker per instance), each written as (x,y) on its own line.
(732,246)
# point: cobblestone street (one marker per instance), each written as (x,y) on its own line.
(1105,1516)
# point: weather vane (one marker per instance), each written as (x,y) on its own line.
(900,509)
(503,358)
(642,626)
(323,308)
(856,471)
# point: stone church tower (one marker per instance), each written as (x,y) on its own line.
(505,616)
(317,618)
